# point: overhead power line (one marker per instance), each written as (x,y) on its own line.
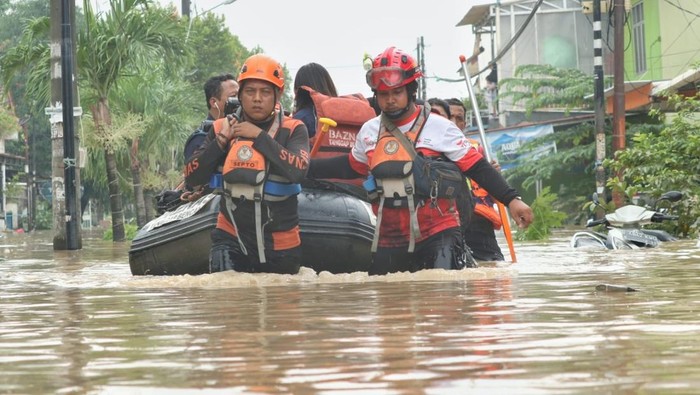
(506,47)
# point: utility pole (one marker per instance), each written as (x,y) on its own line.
(69,158)
(65,179)
(185,8)
(599,102)
(29,177)
(618,142)
(420,50)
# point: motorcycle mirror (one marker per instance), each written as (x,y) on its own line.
(672,196)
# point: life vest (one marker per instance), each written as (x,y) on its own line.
(349,112)
(246,177)
(391,166)
(483,202)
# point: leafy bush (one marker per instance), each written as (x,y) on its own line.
(43,218)
(546,218)
(668,160)
(129,229)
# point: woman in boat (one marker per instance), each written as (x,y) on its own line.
(414,231)
(316,77)
(264,155)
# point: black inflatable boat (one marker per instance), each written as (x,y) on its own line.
(336,235)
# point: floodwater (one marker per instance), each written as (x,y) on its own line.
(78,322)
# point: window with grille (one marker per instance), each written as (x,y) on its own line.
(640,55)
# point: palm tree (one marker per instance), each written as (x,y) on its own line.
(133,34)
(166,114)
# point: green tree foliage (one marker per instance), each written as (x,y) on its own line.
(657,162)
(128,44)
(571,167)
(541,86)
(546,218)
(9,123)
(15,17)
(217,50)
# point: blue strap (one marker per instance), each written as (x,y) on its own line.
(281,189)
(216,181)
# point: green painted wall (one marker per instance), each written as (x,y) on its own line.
(672,46)
(652,40)
(680,36)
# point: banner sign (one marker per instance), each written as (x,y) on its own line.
(504,145)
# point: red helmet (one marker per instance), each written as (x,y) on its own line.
(391,69)
(262,67)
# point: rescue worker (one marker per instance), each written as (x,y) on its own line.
(217,91)
(414,231)
(479,228)
(264,155)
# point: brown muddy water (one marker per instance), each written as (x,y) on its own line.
(78,322)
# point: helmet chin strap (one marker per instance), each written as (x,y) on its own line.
(399,113)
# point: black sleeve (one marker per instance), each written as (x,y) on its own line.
(193,142)
(204,162)
(492,181)
(335,167)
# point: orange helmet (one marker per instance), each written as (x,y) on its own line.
(391,69)
(262,67)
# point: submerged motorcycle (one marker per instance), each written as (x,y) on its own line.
(625,227)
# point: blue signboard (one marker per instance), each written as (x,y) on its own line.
(504,145)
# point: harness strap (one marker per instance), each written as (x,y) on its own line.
(375,239)
(391,188)
(258,228)
(231,207)
(280,189)
(413,213)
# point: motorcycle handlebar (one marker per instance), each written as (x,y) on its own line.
(663,217)
(596,222)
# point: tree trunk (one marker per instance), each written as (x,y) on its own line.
(148,199)
(115,197)
(136,180)
(102,117)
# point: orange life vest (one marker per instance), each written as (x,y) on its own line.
(483,202)
(391,166)
(350,112)
(245,174)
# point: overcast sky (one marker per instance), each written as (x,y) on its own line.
(337,33)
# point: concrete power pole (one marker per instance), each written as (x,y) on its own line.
(422,88)
(619,85)
(186,8)
(599,102)
(65,178)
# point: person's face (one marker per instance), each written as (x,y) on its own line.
(229,88)
(258,99)
(392,100)
(457,117)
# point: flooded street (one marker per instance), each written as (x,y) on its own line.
(79,322)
